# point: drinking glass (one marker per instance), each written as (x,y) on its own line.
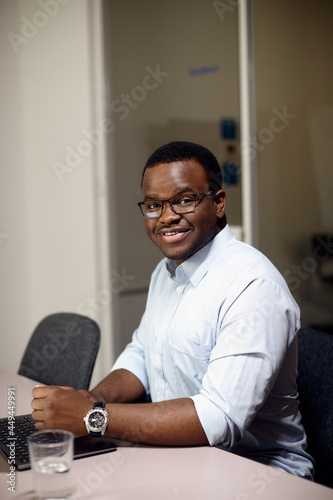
(51,456)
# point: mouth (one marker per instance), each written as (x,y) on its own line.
(174,235)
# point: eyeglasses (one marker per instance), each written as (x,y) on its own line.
(182,204)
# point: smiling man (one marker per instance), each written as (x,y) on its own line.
(216,349)
(179,226)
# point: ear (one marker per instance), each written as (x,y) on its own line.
(220,201)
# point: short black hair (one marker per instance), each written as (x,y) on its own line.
(185,151)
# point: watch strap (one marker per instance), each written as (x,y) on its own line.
(95,434)
(99,405)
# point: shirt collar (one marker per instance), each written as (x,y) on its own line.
(196,266)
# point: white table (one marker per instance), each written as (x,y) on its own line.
(157,473)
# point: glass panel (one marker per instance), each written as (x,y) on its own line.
(173,76)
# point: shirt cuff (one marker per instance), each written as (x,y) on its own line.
(212,420)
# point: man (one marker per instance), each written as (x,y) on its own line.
(216,347)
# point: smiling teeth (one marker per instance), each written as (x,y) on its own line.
(171,234)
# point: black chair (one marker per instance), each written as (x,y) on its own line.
(62,351)
(315,387)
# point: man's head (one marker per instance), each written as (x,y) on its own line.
(183,151)
(189,176)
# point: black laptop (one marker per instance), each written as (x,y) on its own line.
(14,442)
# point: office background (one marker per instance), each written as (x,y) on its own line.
(90,88)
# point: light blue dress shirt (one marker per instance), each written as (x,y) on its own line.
(221,329)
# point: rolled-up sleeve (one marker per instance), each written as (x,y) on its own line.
(245,362)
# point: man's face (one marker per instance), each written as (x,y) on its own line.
(179,236)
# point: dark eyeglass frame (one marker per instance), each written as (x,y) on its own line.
(161,208)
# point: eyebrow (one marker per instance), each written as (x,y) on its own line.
(179,191)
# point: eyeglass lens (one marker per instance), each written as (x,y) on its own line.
(179,205)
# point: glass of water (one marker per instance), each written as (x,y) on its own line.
(51,456)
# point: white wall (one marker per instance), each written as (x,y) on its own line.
(53,221)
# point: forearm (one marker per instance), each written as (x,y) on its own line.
(167,423)
(120,386)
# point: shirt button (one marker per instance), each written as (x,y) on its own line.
(179,289)
(157,357)
(165,323)
(159,391)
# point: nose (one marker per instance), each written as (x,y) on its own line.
(168,215)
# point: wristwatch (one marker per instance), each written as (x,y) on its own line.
(97,420)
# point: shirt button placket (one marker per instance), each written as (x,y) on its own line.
(160,389)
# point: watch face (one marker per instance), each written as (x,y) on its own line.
(96,419)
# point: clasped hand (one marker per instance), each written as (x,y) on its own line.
(59,407)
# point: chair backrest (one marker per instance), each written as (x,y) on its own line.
(315,387)
(62,351)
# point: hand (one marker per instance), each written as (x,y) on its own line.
(57,407)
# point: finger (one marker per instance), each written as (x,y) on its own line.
(40,391)
(38,404)
(37,415)
(40,426)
